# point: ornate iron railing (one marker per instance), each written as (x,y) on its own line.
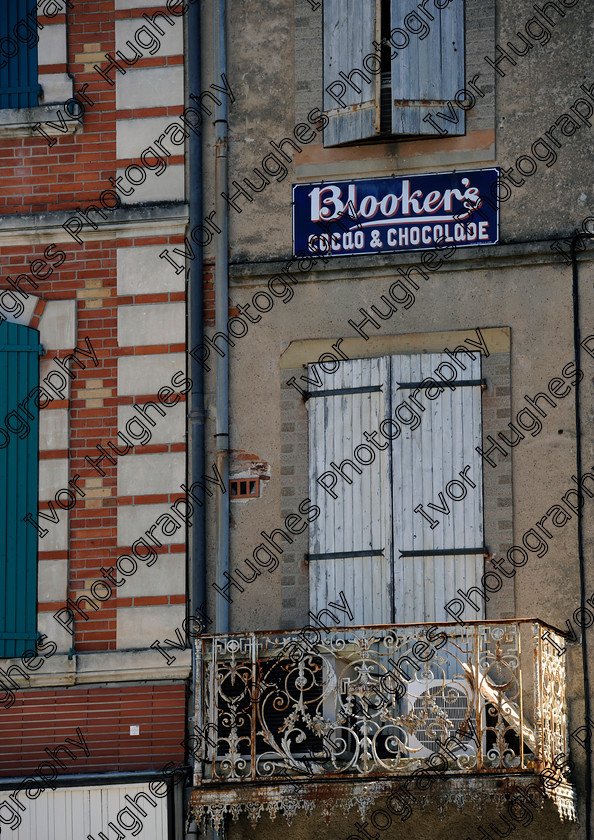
(373,702)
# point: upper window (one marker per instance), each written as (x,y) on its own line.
(19,375)
(19,84)
(389,65)
(395,472)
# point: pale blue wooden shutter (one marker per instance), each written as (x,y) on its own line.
(350,27)
(19,375)
(19,86)
(369,541)
(350,543)
(427,73)
(429,563)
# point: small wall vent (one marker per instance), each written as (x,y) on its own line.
(244,488)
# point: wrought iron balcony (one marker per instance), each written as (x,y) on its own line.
(290,719)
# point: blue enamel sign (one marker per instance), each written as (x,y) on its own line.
(409,213)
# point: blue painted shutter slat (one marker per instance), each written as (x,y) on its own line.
(19,374)
(30,450)
(3,495)
(9,78)
(428,72)
(19,85)
(11,69)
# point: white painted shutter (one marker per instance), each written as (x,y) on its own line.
(78,813)
(359,519)
(427,73)
(424,461)
(350,27)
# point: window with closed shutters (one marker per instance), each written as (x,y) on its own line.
(386,444)
(19,375)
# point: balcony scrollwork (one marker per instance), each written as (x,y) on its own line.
(365,705)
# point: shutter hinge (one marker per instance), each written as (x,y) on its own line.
(445,552)
(343,555)
(365,389)
(455,383)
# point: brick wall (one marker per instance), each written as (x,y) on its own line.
(113,288)
(43,177)
(497,481)
(86,538)
(294,476)
(104,716)
(71,170)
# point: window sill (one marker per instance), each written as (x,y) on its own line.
(406,155)
(21,122)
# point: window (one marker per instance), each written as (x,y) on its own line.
(395,472)
(19,85)
(19,375)
(388,65)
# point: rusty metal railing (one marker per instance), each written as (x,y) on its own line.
(373,702)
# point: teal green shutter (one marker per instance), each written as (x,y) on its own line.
(19,86)
(19,374)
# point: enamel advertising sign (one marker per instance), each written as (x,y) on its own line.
(409,213)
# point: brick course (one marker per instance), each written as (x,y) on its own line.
(46,717)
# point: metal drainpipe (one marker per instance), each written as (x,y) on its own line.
(582,563)
(196,413)
(196,535)
(221,317)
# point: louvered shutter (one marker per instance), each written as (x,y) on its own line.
(350,542)
(19,86)
(350,27)
(428,73)
(424,462)
(19,375)
(93,812)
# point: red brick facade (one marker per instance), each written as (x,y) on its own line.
(45,179)
(46,718)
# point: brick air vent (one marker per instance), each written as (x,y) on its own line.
(244,488)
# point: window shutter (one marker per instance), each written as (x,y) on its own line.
(350,542)
(350,27)
(19,374)
(424,462)
(19,87)
(427,73)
